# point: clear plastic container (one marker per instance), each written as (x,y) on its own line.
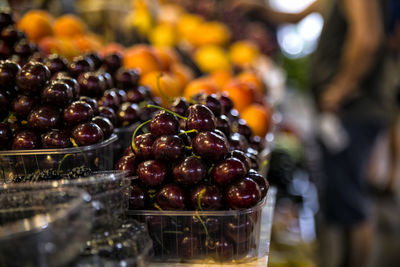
(98,157)
(43,227)
(124,140)
(207,237)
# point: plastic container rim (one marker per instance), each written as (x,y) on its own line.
(126,129)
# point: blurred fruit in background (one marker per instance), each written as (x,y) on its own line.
(163,35)
(36,24)
(141,57)
(69,26)
(200,85)
(243,53)
(241,93)
(212,58)
(162,84)
(258,118)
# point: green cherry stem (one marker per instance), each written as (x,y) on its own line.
(135,149)
(166,110)
(189,131)
(163,94)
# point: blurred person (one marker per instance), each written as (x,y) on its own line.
(346,76)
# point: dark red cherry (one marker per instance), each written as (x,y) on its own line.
(127,163)
(11,35)
(233,115)
(254,160)
(87,133)
(171,197)
(188,246)
(239,229)
(110,99)
(152,172)
(6,18)
(25,140)
(56,63)
(240,155)
(25,48)
(15,58)
(5,50)
(109,113)
(112,62)
(210,146)
(91,84)
(15,128)
(256,143)
(80,65)
(220,249)
(44,118)
(33,77)
(91,101)
(22,105)
(180,106)
(56,139)
(108,79)
(78,112)
(200,118)
(8,73)
(57,93)
(168,148)
(127,114)
(243,194)
(238,142)
(224,125)
(228,170)
(244,129)
(206,197)
(137,197)
(260,180)
(190,171)
(121,94)
(37,56)
(72,83)
(164,123)
(144,145)
(136,95)
(96,59)
(212,224)
(213,103)
(127,78)
(105,125)
(5,136)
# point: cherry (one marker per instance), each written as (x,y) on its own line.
(56,139)
(80,65)
(206,197)
(152,172)
(210,146)
(239,229)
(15,58)
(87,133)
(36,56)
(110,99)
(107,79)
(112,62)
(244,129)
(171,197)
(240,155)
(25,49)
(121,94)
(243,194)
(56,63)
(224,125)
(15,128)
(105,125)
(22,105)
(164,123)
(128,113)
(238,142)
(32,77)
(233,115)
(91,101)
(212,102)
(78,112)
(190,171)
(6,18)
(168,148)
(256,143)
(3,104)
(109,113)
(5,135)
(44,118)
(91,84)
(127,163)
(11,35)
(136,95)
(96,59)
(137,197)
(200,118)
(127,78)
(228,170)
(5,50)
(180,106)
(212,224)
(57,93)
(8,73)
(226,103)
(188,246)
(144,145)
(72,83)
(220,248)
(254,160)
(25,140)
(260,180)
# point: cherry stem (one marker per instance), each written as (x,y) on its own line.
(74,144)
(199,198)
(204,225)
(188,147)
(133,145)
(264,164)
(167,110)
(62,160)
(189,131)
(163,94)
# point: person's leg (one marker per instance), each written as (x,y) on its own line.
(361,240)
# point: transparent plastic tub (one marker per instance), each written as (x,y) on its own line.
(207,237)
(124,135)
(43,227)
(98,157)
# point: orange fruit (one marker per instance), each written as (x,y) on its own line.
(240,93)
(167,56)
(182,73)
(169,87)
(142,57)
(201,85)
(69,48)
(88,42)
(243,53)
(50,45)
(221,77)
(258,118)
(111,48)
(253,79)
(69,26)
(36,24)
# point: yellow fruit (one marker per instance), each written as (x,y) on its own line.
(210,33)
(188,24)
(163,35)
(243,53)
(212,58)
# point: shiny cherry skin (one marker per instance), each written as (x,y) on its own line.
(223,124)
(128,164)
(226,103)
(4,102)
(96,59)
(91,101)
(109,113)
(56,63)
(44,118)
(128,151)
(227,171)
(72,83)
(110,99)
(210,146)
(136,95)
(87,133)
(240,155)
(244,129)
(78,112)
(212,224)
(180,106)
(8,73)
(22,105)
(208,196)
(152,172)
(238,142)
(127,114)
(171,197)
(5,135)
(200,118)
(121,94)
(56,139)
(190,171)
(32,77)
(220,249)
(80,65)
(112,62)
(25,49)
(137,197)
(260,180)
(6,18)
(127,78)
(168,148)
(5,51)
(239,229)
(11,35)
(57,93)
(254,160)
(108,79)
(243,194)
(144,144)
(91,84)
(188,246)
(105,125)
(256,143)
(164,123)
(213,103)
(25,140)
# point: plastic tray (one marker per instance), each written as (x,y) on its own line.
(21,162)
(232,236)
(43,227)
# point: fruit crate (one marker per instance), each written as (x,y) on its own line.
(98,157)
(43,227)
(210,237)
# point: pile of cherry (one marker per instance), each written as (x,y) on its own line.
(46,100)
